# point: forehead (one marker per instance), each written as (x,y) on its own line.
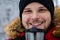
(35,5)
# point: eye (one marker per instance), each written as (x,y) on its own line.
(42,10)
(28,11)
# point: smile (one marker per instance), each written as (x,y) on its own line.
(37,23)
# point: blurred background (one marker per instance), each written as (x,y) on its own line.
(9,10)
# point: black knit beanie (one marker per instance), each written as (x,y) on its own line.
(47,3)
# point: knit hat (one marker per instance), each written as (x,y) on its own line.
(47,3)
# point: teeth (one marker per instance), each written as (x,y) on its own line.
(37,23)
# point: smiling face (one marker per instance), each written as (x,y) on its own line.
(36,14)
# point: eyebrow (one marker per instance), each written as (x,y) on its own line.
(38,8)
(26,8)
(42,7)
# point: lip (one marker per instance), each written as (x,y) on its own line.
(36,24)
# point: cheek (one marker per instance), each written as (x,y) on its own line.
(25,18)
(48,19)
(47,16)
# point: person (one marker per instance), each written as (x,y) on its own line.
(39,13)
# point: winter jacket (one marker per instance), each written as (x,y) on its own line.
(48,36)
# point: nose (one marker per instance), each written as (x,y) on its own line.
(34,16)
